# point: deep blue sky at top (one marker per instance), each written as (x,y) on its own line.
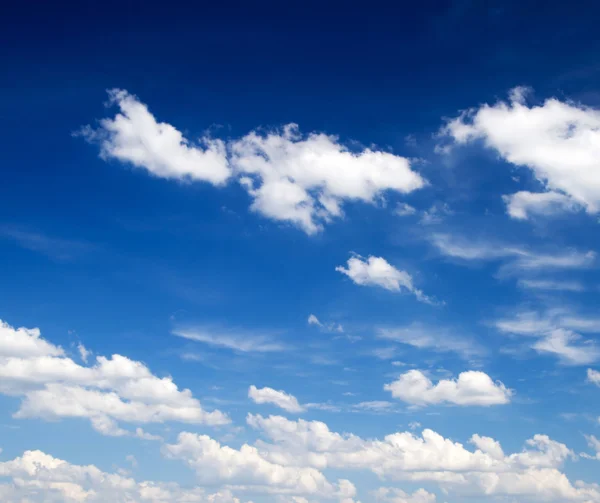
(140,251)
(373,75)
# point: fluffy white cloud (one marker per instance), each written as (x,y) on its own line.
(313,320)
(558,141)
(523,204)
(53,386)
(37,477)
(593,376)
(134,136)
(555,334)
(303,180)
(376,271)
(392,495)
(594,444)
(470,388)
(279,398)
(529,475)
(247,468)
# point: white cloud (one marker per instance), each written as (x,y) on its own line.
(313,320)
(376,271)
(470,388)
(84,353)
(403,210)
(53,386)
(37,477)
(306,180)
(279,398)
(547,284)
(247,468)
(434,338)
(392,495)
(558,141)
(374,406)
(554,333)
(568,347)
(303,180)
(517,258)
(134,136)
(531,474)
(242,342)
(523,204)
(594,444)
(593,376)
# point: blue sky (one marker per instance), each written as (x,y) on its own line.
(300,254)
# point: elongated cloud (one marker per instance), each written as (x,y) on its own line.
(279,398)
(376,271)
(301,179)
(558,141)
(470,388)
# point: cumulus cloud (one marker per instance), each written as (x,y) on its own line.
(300,179)
(531,474)
(313,320)
(376,271)
(134,136)
(393,495)
(470,388)
(37,477)
(247,468)
(558,141)
(115,389)
(279,398)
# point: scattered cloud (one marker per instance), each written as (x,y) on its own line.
(279,398)
(61,250)
(300,179)
(556,333)
(236,341)
(434,338)
(558,141)
(404,210)
(593,376)
(376,271)
(470,388)
(135,137)
(113,390)
(327,327)
(548,284)
(523,204)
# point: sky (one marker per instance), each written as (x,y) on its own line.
(318,252)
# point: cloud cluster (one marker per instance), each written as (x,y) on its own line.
(558,141)
(470,388)
(247,468)
(295,178)
(37,477)
(113,390)
(529,475)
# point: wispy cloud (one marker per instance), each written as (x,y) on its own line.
(435,339)
(62,250)
(556,333)
(236,341)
